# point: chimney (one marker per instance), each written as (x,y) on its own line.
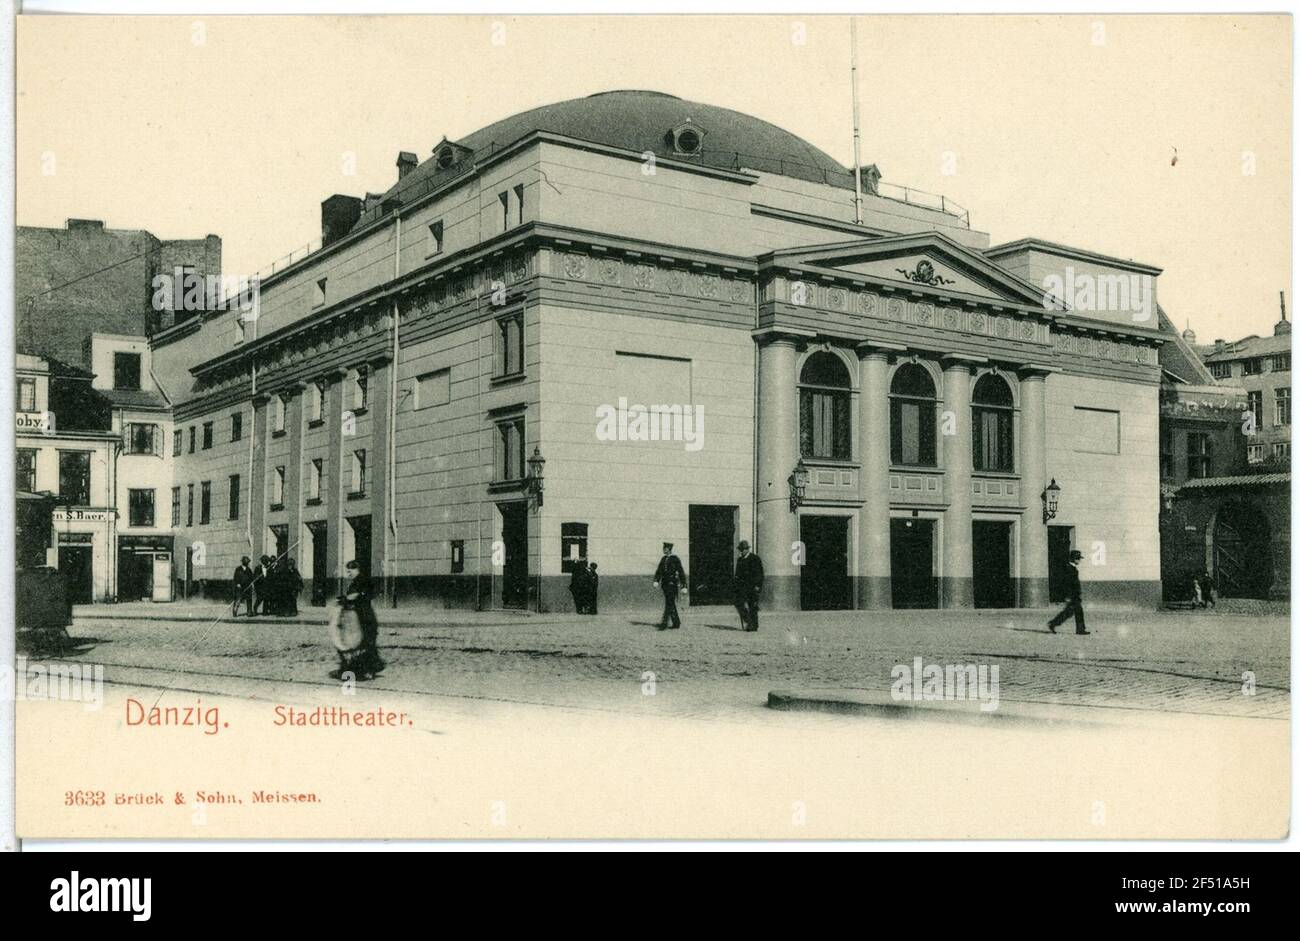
(870,175)
(1219,346)
(1189,335)
(338,215)
(406,162)
(1283,326)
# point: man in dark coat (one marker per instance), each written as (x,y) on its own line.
(261,590)
(748,586)
(243,585)
(1074,606)
(292,587)
(670,578)
(578,586)
(593,588)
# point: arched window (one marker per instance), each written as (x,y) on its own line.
(824,408)
(911,417)
(993,410)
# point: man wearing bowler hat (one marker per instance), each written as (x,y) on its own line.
(1075,603)
(670,578)
(748,586)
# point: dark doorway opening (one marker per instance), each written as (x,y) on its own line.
(514,538)
(712,553)
(361,543)
(991,562)
(1059,541)
(319,576)
(1243,552)
(280,533)
(824,583)
(76,566)
(911,563)
(134,575)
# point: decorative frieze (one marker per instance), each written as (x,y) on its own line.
(649,276)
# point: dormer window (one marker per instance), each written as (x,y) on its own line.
(445,157)
(687,139)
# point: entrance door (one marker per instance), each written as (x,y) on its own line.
(75,564)
(991,560)
(319,576)
(1059,540)
(514,536)
(712,548)
(824,583)
(134,575)
(1243,552)
(911,563)
(361,543)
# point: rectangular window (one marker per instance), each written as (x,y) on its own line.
(509,457)
(1095,430)
(318,292)
(74,478)
(1221,370)
(505,209)
(1255,453)
(233,502)
(26,480)
(207,435)
(281,408)
(126,371)
(360,390)
(510,345)
(359,472)
(433,389)
(205,503)
(1282,451)
(241,329)
(911,429)
(573,545)
(317,402)
(140,507)
(519,204)
(1255,405)
(26,395)
(178,442)
(236,426)
(189,504)
(1166,451)
(457,556)
(1282,406)
(1198,455)
(993,441)
(277,488)
(1282,362)
(1252,367)
(176,506)
(142,439)
(317,477)
(435,238)
(193,438)
(824,424)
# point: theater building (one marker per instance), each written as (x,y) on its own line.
(609,322)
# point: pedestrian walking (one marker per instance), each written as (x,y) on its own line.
(593,588)
(1074,606)
(242,583)
(358,597)
(747,586)
(670,578)
(1206,586)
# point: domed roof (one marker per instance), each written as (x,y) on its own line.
(643,121)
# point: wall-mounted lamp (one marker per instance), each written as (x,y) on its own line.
(798,482)
(536,480)
(1051,498)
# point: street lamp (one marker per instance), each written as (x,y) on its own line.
(1051,497)
(536,481)
(798,482)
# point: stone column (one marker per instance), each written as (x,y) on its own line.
(873,585)
(293,472)
(260,431)
(956,585)
(381,539)
(1033,478)
(777,428)
(336,392)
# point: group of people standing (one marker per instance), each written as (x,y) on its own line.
(271,587)
(584,585)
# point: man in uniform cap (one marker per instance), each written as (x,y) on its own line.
(748,586)
(1075,603)
(670,578)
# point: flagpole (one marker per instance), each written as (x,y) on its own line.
(857,159)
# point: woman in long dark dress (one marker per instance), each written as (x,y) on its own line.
(357,596)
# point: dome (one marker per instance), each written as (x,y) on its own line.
(638,121)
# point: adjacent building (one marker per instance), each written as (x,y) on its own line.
(626,319)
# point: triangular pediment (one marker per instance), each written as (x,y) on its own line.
(927,261)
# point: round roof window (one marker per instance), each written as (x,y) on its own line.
(688,141)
